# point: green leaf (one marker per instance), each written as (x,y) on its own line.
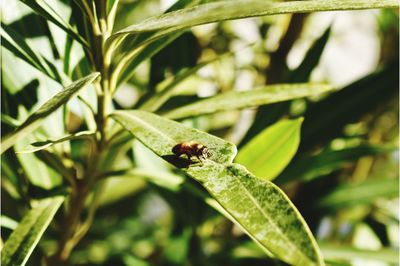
(163,134)
(262,209)
(311,59)
(325,162)
(350,253)
(35,119)
(12,122)
(7,222)
(245,99)
(17,45)
(46,11)
(347,105)
(24,239)
(258,206)
(41,145)
(146,53)
(54,162)
(269,152)
(38,173)
(120,187)
(153,47)
(363,193)
(169,90)
(225,10)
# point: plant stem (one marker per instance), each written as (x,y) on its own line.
(73,229)
(69,226)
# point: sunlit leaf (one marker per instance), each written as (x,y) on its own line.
(245,99)
(225,10)
(311,59)
(152,126)
(312,166)
(347,105)
(17,45)
(6,119)
(38,173)
(169,90)
(26,236)
(41,145)
(348,195)
(35,119)
(259,206)
(7,222)
(349,253)
(144,54)
(44,9)
(269,152)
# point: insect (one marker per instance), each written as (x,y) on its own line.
(191,148)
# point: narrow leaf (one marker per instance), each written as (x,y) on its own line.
(46,11)
(17,45)
(364,193)
(225,10)
(262,209)
(163,134)
(26,236)
(41,145)
(350,253)
(12,122)
(258,206)
(245,99)
(347,105)
(153,47)
(146,53)
(35,119)
(269,152)
(161,97)
(311,59)
(7,222)
(312,166)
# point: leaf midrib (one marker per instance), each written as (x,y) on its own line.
(141,121)
(278,143)
(271,221)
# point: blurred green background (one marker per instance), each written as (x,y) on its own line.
(343,179)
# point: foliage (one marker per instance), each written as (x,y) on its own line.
(97,93)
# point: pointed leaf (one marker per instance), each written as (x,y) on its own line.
(245,99)
(154,47)
(363,193)
(269,152)
(146,53)
(26,236)
(311,59)
(46,11)
(163,134)
(348,105)
(8,222)
(350,253)
(41,145)
(225,10)
(325,162)
(17,45)
(8,120)
(35,119)
(260,207)
(161,97)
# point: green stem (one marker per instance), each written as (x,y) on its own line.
(73,229)
(69,226)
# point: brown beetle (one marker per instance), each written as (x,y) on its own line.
(191,148)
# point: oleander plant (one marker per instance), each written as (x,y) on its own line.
(199,132)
